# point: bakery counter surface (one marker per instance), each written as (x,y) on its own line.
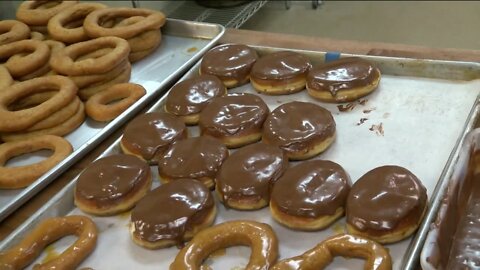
(252,38)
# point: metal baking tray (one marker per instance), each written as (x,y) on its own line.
(421,111)
(183,43)
(460,194)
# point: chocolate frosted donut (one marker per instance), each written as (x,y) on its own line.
(301,129)
(247,176)
(280,73)
(310,195)
(150,135)
(172,214)
(187,98)
(386,204)
(229,62)
(343,80)
(235,119)
(198,158)
(112,184)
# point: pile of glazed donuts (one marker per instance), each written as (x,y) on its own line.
(61,61)
(383,206)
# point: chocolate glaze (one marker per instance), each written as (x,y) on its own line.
(192,95)
(342,74)
(296,126)
(152,133)
(311,189)
(111,178)
(170,210)
(251,172)
(382,197)
(281,66)
(234,114)
(193,158)
(229,61)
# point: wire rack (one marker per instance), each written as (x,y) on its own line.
(232,17)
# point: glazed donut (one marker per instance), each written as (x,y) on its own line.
(280,73)
(5,78)
(57,117)
(47,232)
(343,80)
(12,30)
(311,195)
(231,63)
(98,106)
(319,257)
(112,185)
(301,129)
(188,98)
(198,158)
(20,120)
(246,178)
(83,81)
(258,236)
(67,25)
(172,214)
(39,12)
(55,46)
(37,55)
(149,135)
(62,129)
(22,176)
(153,20)
(89,91)
(64,62)
(386,204)
(235,119)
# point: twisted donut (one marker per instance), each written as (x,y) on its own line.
(346,245)
(48,231)
(22,176)
(259,236)
(39,12)
(13,30)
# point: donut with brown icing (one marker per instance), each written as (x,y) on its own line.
(235,119)
(197,158)
(229,62)
(343,80)
(112,184)
(301,129)
(311,195)
(280,73)
(172,214)
(188,98)
(386,204)
(149,135)
(246,178)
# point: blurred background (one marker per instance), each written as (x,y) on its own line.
(440,24)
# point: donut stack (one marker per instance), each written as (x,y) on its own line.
(41,106)
(140,27)
(94,65)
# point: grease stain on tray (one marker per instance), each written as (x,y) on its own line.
(361,121)
(52,254)
(378,129)
(192,49)
(369,110)
(386,115)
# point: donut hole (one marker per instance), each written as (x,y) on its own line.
(234,257)
(30,101)
(27,158)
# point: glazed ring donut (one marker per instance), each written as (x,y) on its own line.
(20,120)
(48,231)
(376,256)
(38,55)
(58,26)
(126,94)
(123,77)
(13,30)
(65,62)
(92,24)
(60,130)
(22,176)
(5,78)
(259,236)
(30,12)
